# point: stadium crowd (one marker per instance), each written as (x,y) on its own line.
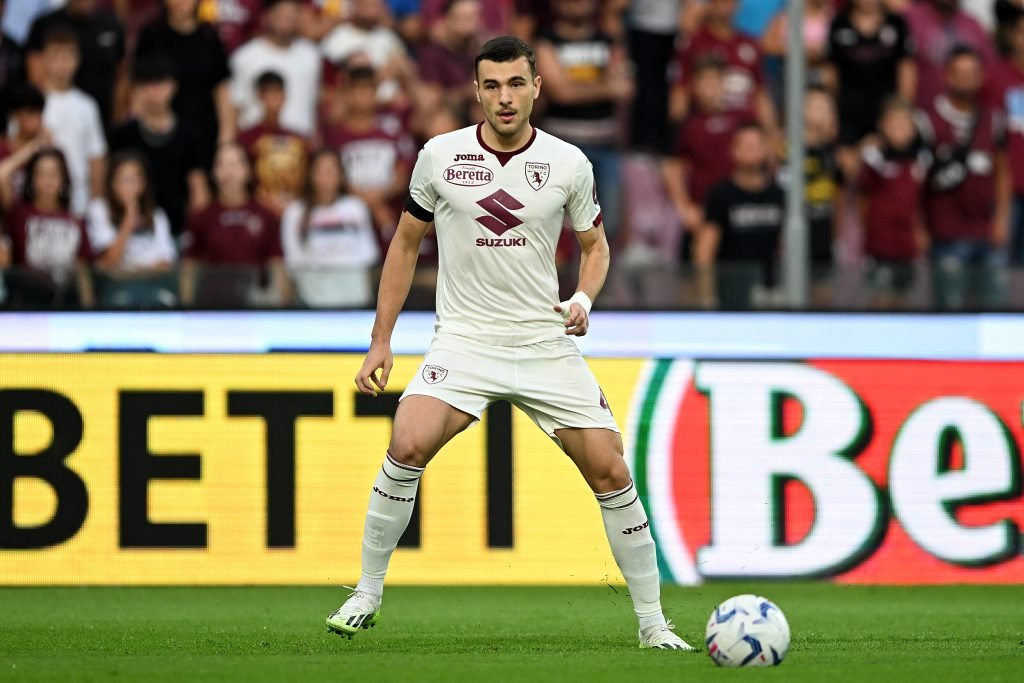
(231,153)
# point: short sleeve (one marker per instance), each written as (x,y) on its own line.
(422,195)
(583,207)
(102,232)
(96,144)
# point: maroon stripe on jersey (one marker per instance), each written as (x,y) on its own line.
(503,157)
(598,219)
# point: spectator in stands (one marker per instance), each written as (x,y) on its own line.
(936,28)
(101,48)
(891,184)
(744,73)
(328,239)
(1006,91)
(279,156)
(697,162)
(586,79)
(131,239)
(1006,14)
(871,59)
(27,137)
(12,72)
(376,153)
(168,142)
(967,203)
(753,17)
(49,246)
(822,179)
(203,95)
(817,19)
(237,237)
(72,117)
(279,49)
(653,25)
(367,33)
(320,17)
(446,61)
(742,224)
(237,21)
(19,15)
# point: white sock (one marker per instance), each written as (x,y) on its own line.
(394,491)
(629,535)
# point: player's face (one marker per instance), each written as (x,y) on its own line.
(506,91)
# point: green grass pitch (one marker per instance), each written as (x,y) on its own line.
(496,634)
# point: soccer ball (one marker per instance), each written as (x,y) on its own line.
(747,630)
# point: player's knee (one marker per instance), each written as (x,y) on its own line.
(611,475)
(408,452)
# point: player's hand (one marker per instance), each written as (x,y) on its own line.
(379,357)
(576,319)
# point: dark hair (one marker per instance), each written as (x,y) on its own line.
(309,191)
(360,72)
(269,79)
(153,70)
(60,34)
(895,103)
(28,193)
(147,202)
(708,62)
(250,185)
(961,50)
(25,98)
(505,49)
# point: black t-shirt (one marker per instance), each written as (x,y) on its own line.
(12,73)
(749,222)
(171,157)
(867,66)
(201,64)
(101,45)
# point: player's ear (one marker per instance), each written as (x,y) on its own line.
(536,86)
(476,90)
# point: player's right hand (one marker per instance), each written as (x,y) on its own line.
(379,357)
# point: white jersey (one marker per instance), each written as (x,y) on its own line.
(498,216)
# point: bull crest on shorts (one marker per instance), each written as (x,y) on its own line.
(537,174)
(432,374)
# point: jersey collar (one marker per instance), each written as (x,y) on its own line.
(503,157)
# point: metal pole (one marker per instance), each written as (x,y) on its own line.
(795,237)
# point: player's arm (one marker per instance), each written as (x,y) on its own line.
(595,258)
(395,281)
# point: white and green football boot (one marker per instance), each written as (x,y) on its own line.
(361,610)
(663,638)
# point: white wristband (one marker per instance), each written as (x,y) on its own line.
(580,298)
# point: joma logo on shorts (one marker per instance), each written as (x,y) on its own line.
(397,499)
(469,157)
(635,529)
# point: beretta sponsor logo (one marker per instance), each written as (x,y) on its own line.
(468,175)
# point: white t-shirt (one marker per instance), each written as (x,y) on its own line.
(145,249)
(73,120)
(299,65)
(498,217)
(331,265)
(379,43)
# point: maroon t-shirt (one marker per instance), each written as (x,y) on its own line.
(966,211)
(1006,92)
(891,187)
(703,142)
(46,240)
(744,71)
(238,235)
(372,157)
(279,158)
(445,68)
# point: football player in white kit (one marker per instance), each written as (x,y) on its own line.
(497,193)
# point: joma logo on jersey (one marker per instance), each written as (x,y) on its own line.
(469,157)
(499,219)
(468,175)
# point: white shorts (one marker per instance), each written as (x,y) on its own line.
(549,381)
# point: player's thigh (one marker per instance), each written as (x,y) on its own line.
(423,425)
(597,453)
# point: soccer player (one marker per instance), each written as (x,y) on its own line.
(497,193)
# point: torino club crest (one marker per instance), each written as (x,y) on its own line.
(537,174)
